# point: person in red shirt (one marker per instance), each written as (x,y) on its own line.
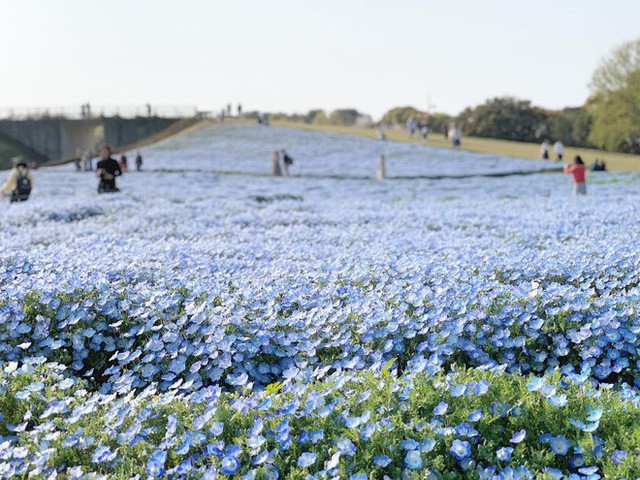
(578,171)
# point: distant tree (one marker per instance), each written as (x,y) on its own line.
(317,116)
(400,115)
(582,122)
(571,125)
(506,118)
(345,117)
(615,102)
(438,120)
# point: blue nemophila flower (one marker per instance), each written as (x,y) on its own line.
(260,458)
(229,465)
(594,414)
(535,384)
(427,445)
(588,470)
(332,462)
(155,464)
(475,416)
(346,447)
(216,428)
(306,459)
(358,476)
(619,456)
(558,400)
(460,449)
(441,408)
(554,473)
(458,390)
(585,427)
(504,454)
(316,436)
(559,444)
(238,380)
(465,430)
(381,460)
(413,460)
(103,454)
(256,441)
(518,436)
(409,444)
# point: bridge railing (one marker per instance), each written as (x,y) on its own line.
(88,111)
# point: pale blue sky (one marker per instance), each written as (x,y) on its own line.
(294,55)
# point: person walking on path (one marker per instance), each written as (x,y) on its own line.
(107,170)
(138,161)
(123,163)
(544,150)
(578,172)
(381,171)
(276,171)
(558,147)
(287,161)
(20,182)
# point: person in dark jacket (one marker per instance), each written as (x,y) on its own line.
(138,161)
(107,170)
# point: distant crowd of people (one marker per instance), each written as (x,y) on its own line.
(450,131)
(19,184)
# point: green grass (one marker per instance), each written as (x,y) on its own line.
(615,161)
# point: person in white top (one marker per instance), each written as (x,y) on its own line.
(558,147)
(544,150)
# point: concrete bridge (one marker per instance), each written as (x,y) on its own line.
(63,134)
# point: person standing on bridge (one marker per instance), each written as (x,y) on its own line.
(107,169)
(20,182)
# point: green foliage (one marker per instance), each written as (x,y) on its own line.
(571,125)
(615,105)
(506,118)
(400,115)
(274,388)
(318,117)
(344,117)
(402,407)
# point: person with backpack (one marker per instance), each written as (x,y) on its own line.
(107,169)
(287,161)
(20,182)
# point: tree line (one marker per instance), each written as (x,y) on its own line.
(609,119)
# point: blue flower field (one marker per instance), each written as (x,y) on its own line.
(457,320)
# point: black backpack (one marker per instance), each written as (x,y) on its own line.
(288,160)
(23,187)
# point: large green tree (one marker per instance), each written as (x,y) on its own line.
(507,118)
(345,116)
(615,102)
